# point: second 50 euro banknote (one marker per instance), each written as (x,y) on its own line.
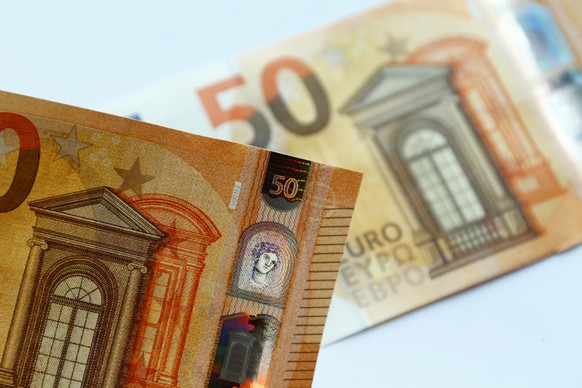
(459,130)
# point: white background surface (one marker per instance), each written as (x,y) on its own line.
(523,330)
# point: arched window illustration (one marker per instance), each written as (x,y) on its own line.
(66,328)
(468,170)
(171,291)
(440,179)
(476,81)
(68,333)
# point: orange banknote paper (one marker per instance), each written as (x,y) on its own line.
(140,256)
(463,176)
(546,47)
(454,111)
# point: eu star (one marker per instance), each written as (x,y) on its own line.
(396,47)
(5,149)
(133,179)
(70,146)
(334,55)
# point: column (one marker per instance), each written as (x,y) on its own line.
(179,325)
(19,319)
(124,323)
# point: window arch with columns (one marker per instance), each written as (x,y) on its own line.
(504,133)
(440,177)
(77,300)
(172,287)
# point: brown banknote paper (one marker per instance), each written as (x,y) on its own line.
(139,256)
(458,112)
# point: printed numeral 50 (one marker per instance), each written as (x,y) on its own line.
(262,131)
(285,185)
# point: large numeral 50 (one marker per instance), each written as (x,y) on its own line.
(28,160)
(262,132)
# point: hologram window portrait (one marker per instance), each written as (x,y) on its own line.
(264,263)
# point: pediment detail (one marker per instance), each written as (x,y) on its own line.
(391,80)
(100,206)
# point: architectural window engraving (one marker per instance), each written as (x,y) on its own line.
(171,292)
(88,256)
(68,335)
(441,179)
(467,178)
(479,90)
(436,169)
(79,288)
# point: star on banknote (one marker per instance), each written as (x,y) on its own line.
(334,55)
(5,149)
(396,47)
(133,179)
(70,146)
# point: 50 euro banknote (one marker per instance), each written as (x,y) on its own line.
(139,256)
(465,174)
